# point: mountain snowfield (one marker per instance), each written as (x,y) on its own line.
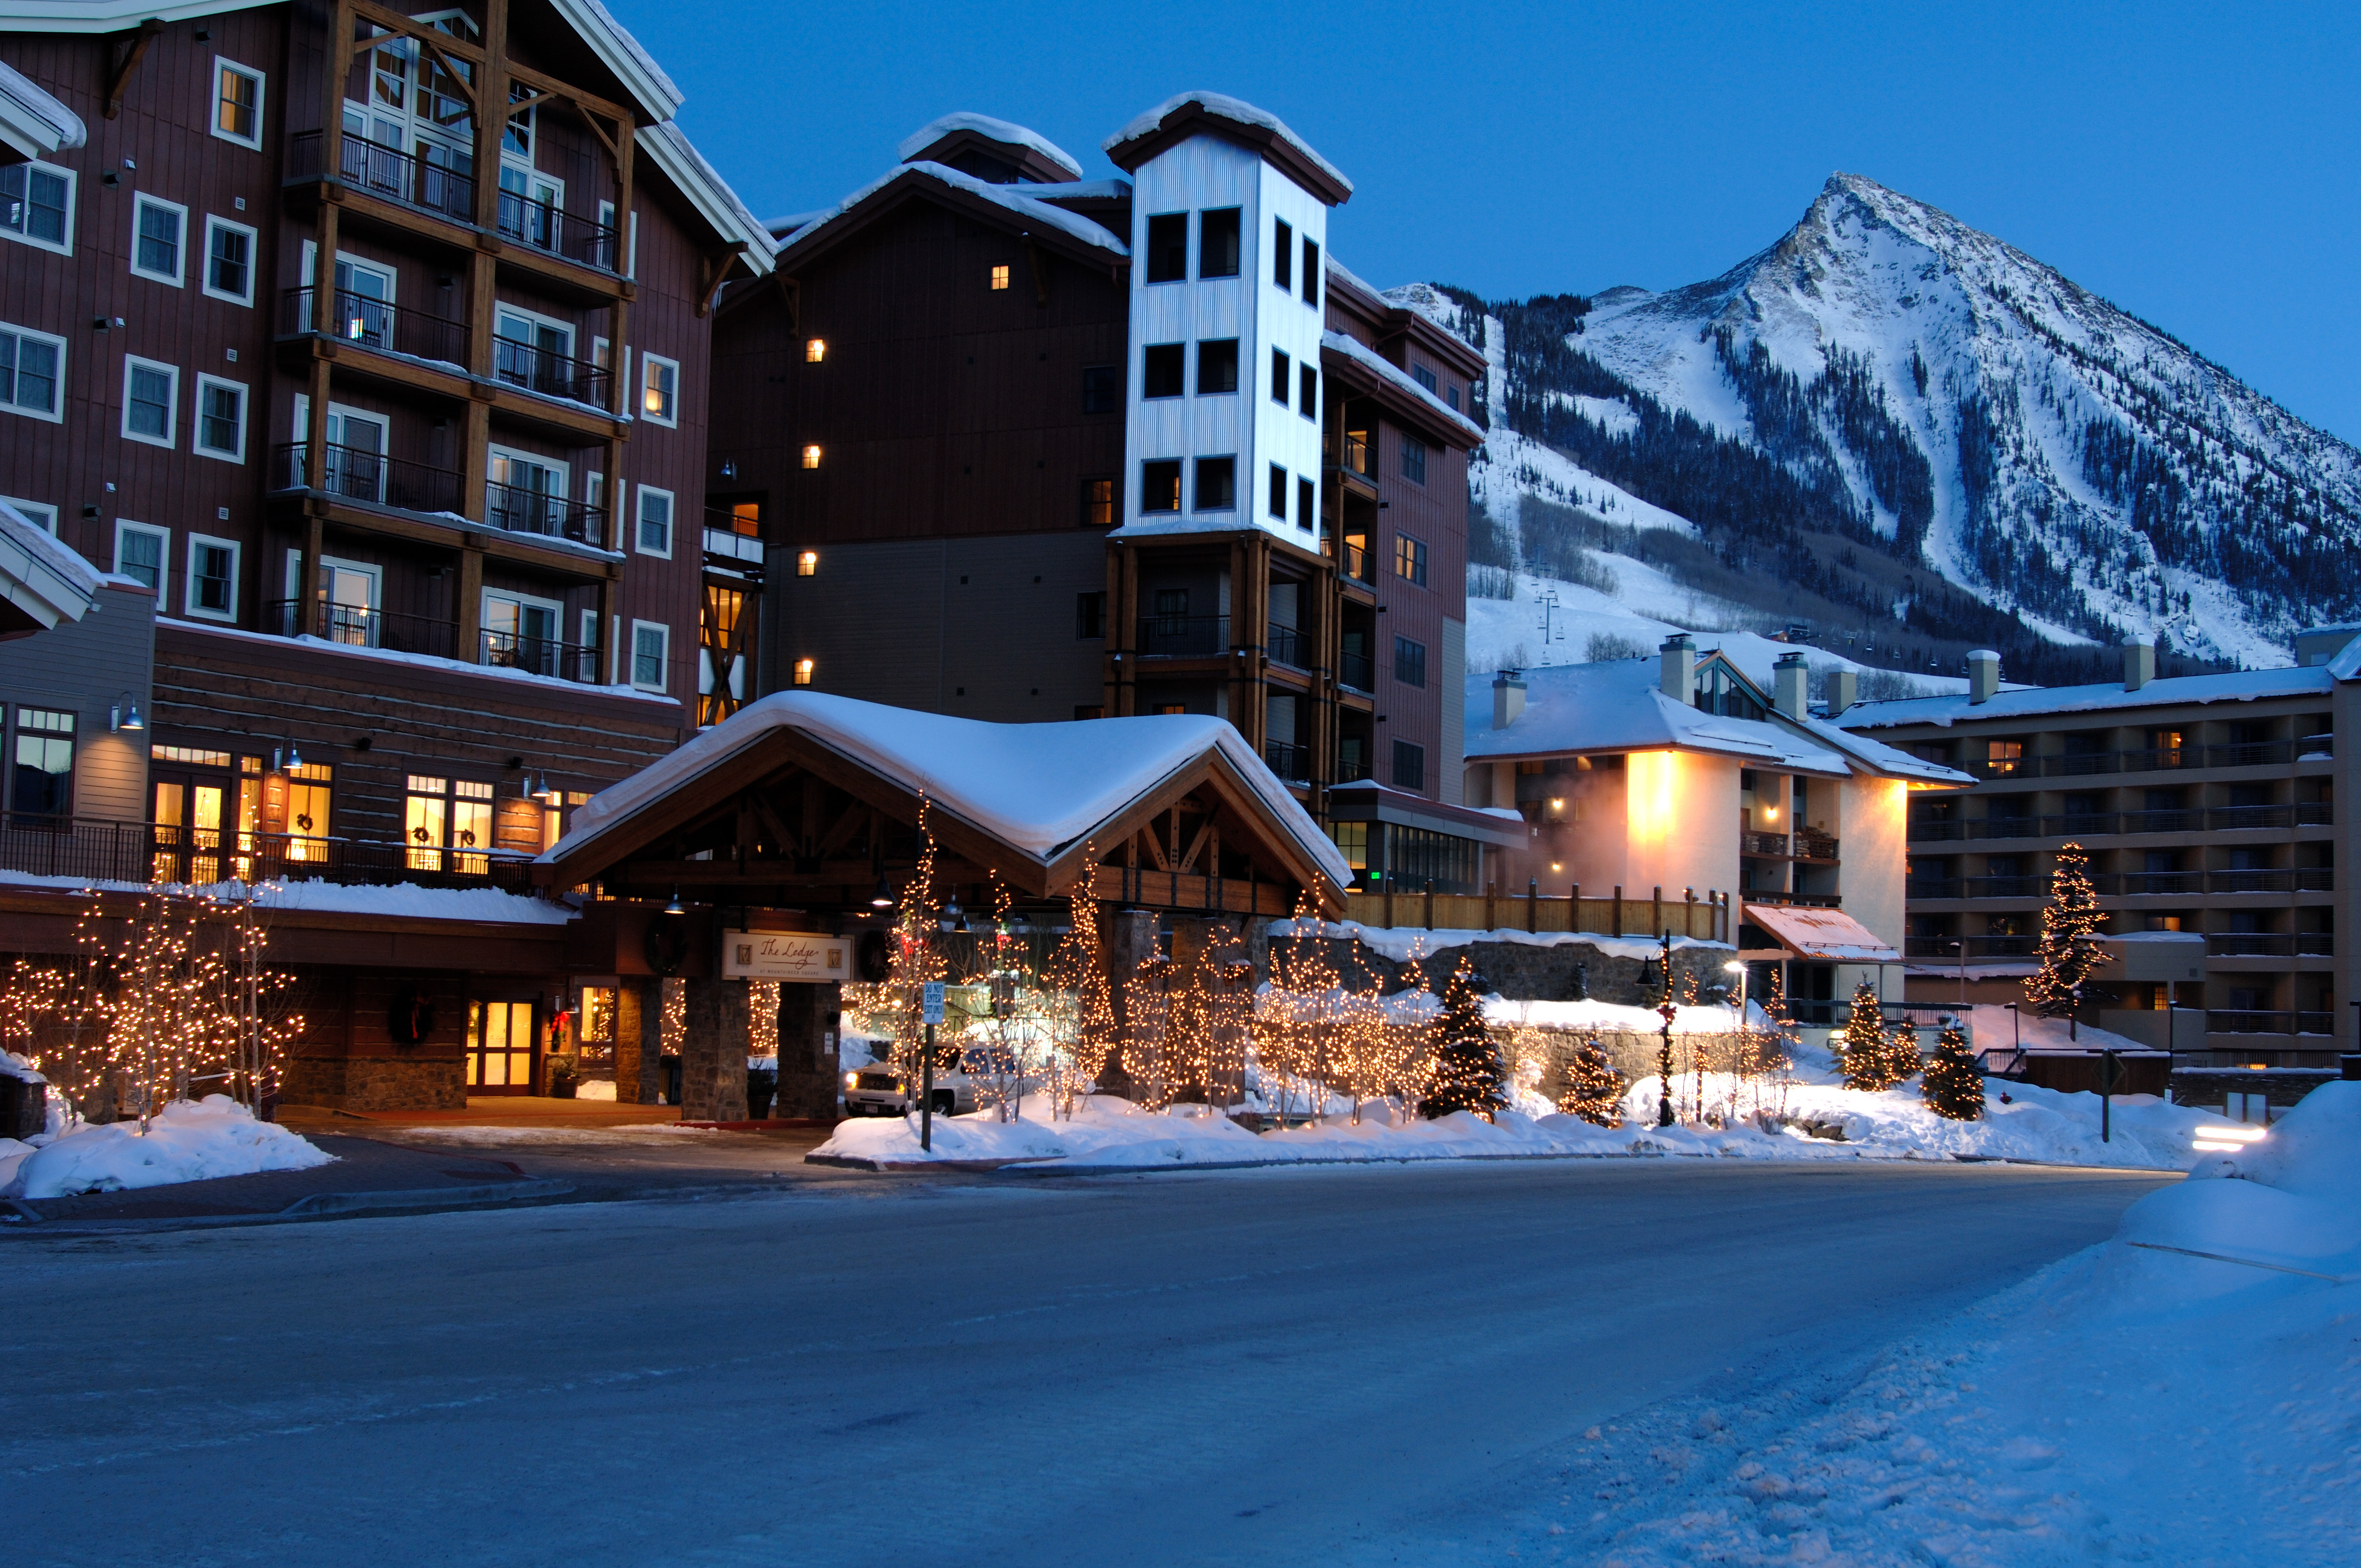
(1888,375)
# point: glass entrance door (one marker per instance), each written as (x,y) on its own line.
(500,1048)
(188,833)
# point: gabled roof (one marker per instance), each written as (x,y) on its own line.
(1003,206)
(668,148)
(1619,705)
(1233,120)
(42,581)
(33,124)
(1039,790)
(2034,702)
(1405,394)
(931,142)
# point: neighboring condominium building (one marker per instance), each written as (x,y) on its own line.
(1027,445)
(2206,804)
(393,406)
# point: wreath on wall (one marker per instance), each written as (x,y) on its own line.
(665,944)
(410,1015)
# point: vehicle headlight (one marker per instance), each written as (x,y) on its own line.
(852,1081)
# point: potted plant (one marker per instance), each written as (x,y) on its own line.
(563,1078)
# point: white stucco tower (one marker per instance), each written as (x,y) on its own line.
(1229,245)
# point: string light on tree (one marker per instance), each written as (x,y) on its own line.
(2066,955)
(1951,1086)
(1468,1075)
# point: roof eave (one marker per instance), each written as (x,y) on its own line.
(1191,119)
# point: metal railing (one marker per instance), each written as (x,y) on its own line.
(1356,671)
(390,173)
(1350,769)
(1289,761)
(1978,947)
(1999,767)
(358,626)
(1763,844)
(1357,564)
(2270,943)
(1287,647)
(90,850)
(551,228)
(355,475)
(540,656)
(2005,886)
(2143,885)
(2245,1021)
(1352,454)
(1811,844)
(1183,636)
(365,322)
(550,373)
(2102,824)
(516,509)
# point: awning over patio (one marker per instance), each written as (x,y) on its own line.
(1823,936)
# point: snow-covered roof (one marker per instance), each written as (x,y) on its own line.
(669,146)
(1037,787)
(1238,112)
(1013,197)
(1825,936)
(33,122)
(2029,702)
(1015,134)
(42,576)
(1880,758)
(1352,349)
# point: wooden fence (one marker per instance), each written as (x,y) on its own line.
(1685,915)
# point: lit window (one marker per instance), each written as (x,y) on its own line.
(1000,275)
(807,564)
(237,104)
(815,350)
(1098,502)
(811,456)
(426,814)
(660,388)
(1410,559)
(803,672)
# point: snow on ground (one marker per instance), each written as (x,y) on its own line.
(637,1133)
(2180,1394)
(1395,942)
(184,1142)
(399,898)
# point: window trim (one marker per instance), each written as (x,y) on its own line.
(253,256)
(189,577)
(1410,652)
(1238,228)
(57,414)
(1147,247)
(1410,551)
(73,203)
(1197,483)
(1282,253)
(261,100)
(640,494)
(197,418)
(1307,391)
(1282,377)
(1278,484)
(669,420)
(141,202)
(163,537)
(1409,445)
(664,631)
(506,308)
(33,511)
(1179,475)
(1145,382)
(170,440)
(1200,389)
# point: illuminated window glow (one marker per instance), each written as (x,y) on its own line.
(815,350)
(807,564)
(803,672)
(811,456)
(1000,276)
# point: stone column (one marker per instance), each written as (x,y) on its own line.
(1130,938)
(713,1054)
(808,1015)
(639,1041)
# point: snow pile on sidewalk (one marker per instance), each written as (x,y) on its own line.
(2129,1404)
(184,1142)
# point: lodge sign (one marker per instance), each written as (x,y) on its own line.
(786,955)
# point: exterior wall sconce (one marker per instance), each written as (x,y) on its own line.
(124,716)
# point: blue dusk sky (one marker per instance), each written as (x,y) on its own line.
(2194,164)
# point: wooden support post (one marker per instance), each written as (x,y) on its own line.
(1491,897)
(135,50)
(482,290)
(1389,900)
(1428,920)
(1618,910)
(1574,908)
(1532,903)
(306,617)
(468,612)
(491,117)
(332,131)
(1128,693)
(1656,927)
(1688,915)
(607,668)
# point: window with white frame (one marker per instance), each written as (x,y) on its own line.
(221,419)
(229,261)
(659,389)
(32,372)
(237,102)
(44,518)
(141,554)
(158,227)
(151,400)
(651,655)
(653,535)
(213,577)
(36,202)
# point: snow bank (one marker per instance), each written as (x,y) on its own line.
(184,1142)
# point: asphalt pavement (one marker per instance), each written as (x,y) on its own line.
(1277,1367)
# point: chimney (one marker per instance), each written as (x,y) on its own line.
(1789,681)
(1983,674)
(2139,661)
(1844,690)
(1679,654)
(1508,697)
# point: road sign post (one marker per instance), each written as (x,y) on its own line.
(2110,1067)
(930,1012)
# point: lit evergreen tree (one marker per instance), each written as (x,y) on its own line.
(1594,1089)
(1901,1053)
(1467,1071)
(1861,1050)
(1951,1085)
(2072,915)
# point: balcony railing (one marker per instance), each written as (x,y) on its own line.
(359,627)
(551,228)
(1999,767)
(2270,943)
(2242,1021)
(2144,884)
(368,323)
(389,173)
(1978,948)
(540,656)
(551,374)
(1352,454)
(87,850)
(1185,636)
(1357,564)
(515,510)
(1351,767)
(2005,886)
(2100,824)
(355,475)
(1288,647)
(1811,844)
(1356,671)
(1763,844)
(1289,761)
(2250,754)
